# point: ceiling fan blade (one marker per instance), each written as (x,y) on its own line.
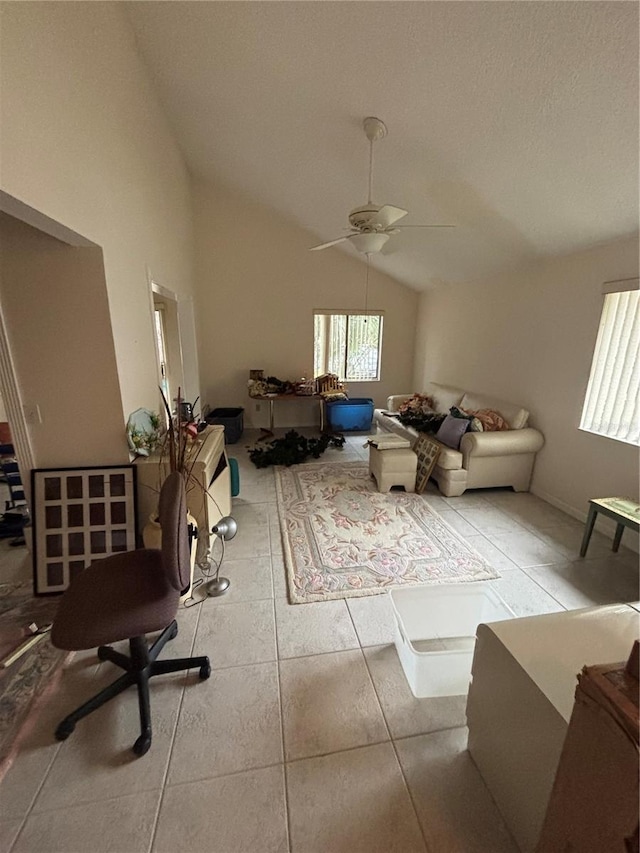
(386,216)
(330,243)
(426,226)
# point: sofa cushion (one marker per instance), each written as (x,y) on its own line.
(444,396)
(515,416)
(449,459)
(452,430)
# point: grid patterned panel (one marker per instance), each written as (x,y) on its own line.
(80,515)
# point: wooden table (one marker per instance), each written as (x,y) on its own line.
(273,398)
(624,511)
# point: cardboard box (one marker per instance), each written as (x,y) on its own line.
(594,801)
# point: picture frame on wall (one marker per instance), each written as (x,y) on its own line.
(427,449)
(79,515)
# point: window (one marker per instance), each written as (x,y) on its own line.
(348,345)
(161,348)
(612,403)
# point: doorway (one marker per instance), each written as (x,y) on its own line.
(175,342)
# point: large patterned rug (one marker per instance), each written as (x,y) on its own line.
(342,538)
(28,683)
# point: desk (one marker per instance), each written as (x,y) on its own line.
(624,511)
(273,398)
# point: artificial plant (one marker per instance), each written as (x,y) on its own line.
(292,449)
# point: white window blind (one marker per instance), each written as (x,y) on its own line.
(612,403)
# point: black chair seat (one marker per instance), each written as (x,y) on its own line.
(114,599)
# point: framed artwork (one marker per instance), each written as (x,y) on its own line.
(79,515)
(427,449)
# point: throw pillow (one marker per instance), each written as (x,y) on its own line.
(491,421)
(452,430)
(475,424)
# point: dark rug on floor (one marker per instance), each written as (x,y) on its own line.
(27,684)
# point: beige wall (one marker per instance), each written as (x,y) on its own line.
(84,141)
(65,368)
(257,286)
(528,337)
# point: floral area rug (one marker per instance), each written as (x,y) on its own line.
(28,683)
(343,538)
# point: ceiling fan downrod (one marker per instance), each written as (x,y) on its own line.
(374,129)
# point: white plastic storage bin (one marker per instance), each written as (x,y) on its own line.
(436,632)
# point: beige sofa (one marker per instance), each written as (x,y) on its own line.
(485,459)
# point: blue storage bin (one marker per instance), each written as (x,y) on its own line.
(355,415)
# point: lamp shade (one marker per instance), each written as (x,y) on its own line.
(369,243)
(226,528)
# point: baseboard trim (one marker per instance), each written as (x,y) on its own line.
(604,525)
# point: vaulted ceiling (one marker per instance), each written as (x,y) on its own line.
(515,121)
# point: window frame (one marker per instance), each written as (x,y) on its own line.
(346,312)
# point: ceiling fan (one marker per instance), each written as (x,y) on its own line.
(372,224)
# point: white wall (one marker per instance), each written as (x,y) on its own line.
(257,287)
(65,368)
(528,337)
(85,142)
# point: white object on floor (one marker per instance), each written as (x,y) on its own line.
(435,633)
(393,466)
(521,698)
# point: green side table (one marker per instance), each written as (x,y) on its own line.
(624,511)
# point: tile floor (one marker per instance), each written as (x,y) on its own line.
(306,737)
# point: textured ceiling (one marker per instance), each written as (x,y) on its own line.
(517,121)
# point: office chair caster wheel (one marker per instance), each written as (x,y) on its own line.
(174,632)
(205,671)
(142,745)
(64,730)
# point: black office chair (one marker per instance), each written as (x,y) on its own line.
(127,596)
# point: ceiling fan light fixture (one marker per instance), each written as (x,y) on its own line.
(368,243)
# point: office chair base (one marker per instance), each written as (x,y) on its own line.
(139,667)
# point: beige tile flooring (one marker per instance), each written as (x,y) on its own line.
(306,737)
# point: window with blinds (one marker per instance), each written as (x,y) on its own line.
(348,345)
(612,403)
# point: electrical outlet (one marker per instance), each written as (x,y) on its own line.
(258,407)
